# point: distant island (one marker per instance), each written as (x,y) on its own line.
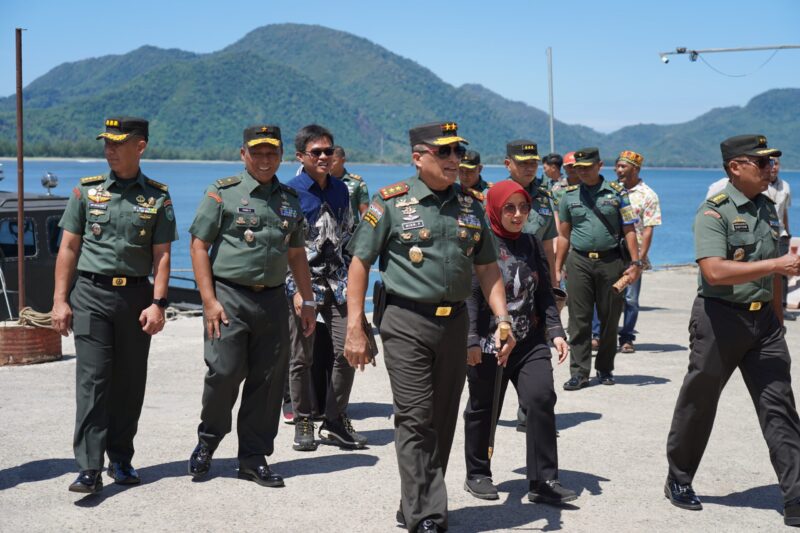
(293,74)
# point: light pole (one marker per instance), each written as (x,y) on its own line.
(693,54)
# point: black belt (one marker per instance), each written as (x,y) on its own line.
(443,309)
(251,288)
(614,252)
(114,281)
(746,306)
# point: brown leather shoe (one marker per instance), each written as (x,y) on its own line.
(627,347)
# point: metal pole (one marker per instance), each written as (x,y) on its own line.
(694,53)
(550,87)
(20,182)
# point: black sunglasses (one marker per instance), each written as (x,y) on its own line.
(443,152)
(316,152)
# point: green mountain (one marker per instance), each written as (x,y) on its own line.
(293,75)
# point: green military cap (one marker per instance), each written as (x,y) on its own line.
(470,160)
(753,145)
(118,129)
(255,135)
(586,157)
(435,133)
(522,150)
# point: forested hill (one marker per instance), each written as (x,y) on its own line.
(292,75)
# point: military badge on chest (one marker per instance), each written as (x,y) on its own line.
(99,195)
(740,224)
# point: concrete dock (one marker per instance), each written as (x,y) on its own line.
(611,450)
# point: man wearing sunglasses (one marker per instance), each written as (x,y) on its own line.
(594,216)
(469,173)
(325,203)
(522,162)
(430,236)
(736,322)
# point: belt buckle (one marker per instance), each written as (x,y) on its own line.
(594,255)
(444,310)
(258,288)
(119,282)
(755,306)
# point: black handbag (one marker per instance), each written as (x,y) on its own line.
(622,244)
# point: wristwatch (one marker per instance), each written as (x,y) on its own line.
(638,263)
(503,318)
(161,302)
(310,303)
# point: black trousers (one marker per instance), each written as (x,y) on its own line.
(590,282)
(530,369)
(110,371)
(426,361)
(253,348)
(724,338)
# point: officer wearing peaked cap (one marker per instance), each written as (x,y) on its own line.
(252,226)
(429,236)
(469,174)
(736,322)
(118,229)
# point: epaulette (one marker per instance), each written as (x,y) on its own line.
(227,182)
(396,189)
(478,195)
(544,190)
(718,199)
(92,179)
(570,188)
(157,184)
(290,190)
(355,177)
(617,186)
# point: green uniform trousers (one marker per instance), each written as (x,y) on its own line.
(426,360)
(590,282)
(254,348)
(110,371)
(723,338)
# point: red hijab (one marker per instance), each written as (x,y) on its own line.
(497,196)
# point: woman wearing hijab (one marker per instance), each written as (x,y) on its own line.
(535,320)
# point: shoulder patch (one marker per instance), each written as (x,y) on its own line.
(570,188)
(214,196)
(157,184)
(617,186)
(474,193)
(396,189)
(227,182)
(92,179)
(288,189)
(718,199)
(355,177)
(544,191)
(711,213)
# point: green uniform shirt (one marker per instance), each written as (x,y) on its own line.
(251,227)
(589,234)
(408,219)
(359,194)
(120,221)
(731,226)
(541,221)
(557,190)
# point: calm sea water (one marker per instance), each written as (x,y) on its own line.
(680,192)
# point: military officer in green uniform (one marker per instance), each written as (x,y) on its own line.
(356,187)
(469,174)
(118,229)
(429,236)
(736,322)
(594,264)
(253,227)
(522,161)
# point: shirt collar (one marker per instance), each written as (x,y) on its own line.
(737,197)
(112,178)
(307,182)
(419,189)
(252,184)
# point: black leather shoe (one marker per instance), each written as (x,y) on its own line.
(550,491)
(261,475)
(123,474)
(791,513)
(399,516)
(200,461)
(427,526)
(87,482)
(576,382)
(682,496)
(605,378)
(481,487)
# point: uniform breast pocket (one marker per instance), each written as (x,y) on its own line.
(139,227)
(97,222)
(741,246)
(578,212)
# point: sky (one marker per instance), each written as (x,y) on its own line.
(606,67)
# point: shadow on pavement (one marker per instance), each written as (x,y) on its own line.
(378,437)
(360,411)
(660,348)
(39,470)
(324,464)
(569,420)
(637,379)
(764,497)
(516,511)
